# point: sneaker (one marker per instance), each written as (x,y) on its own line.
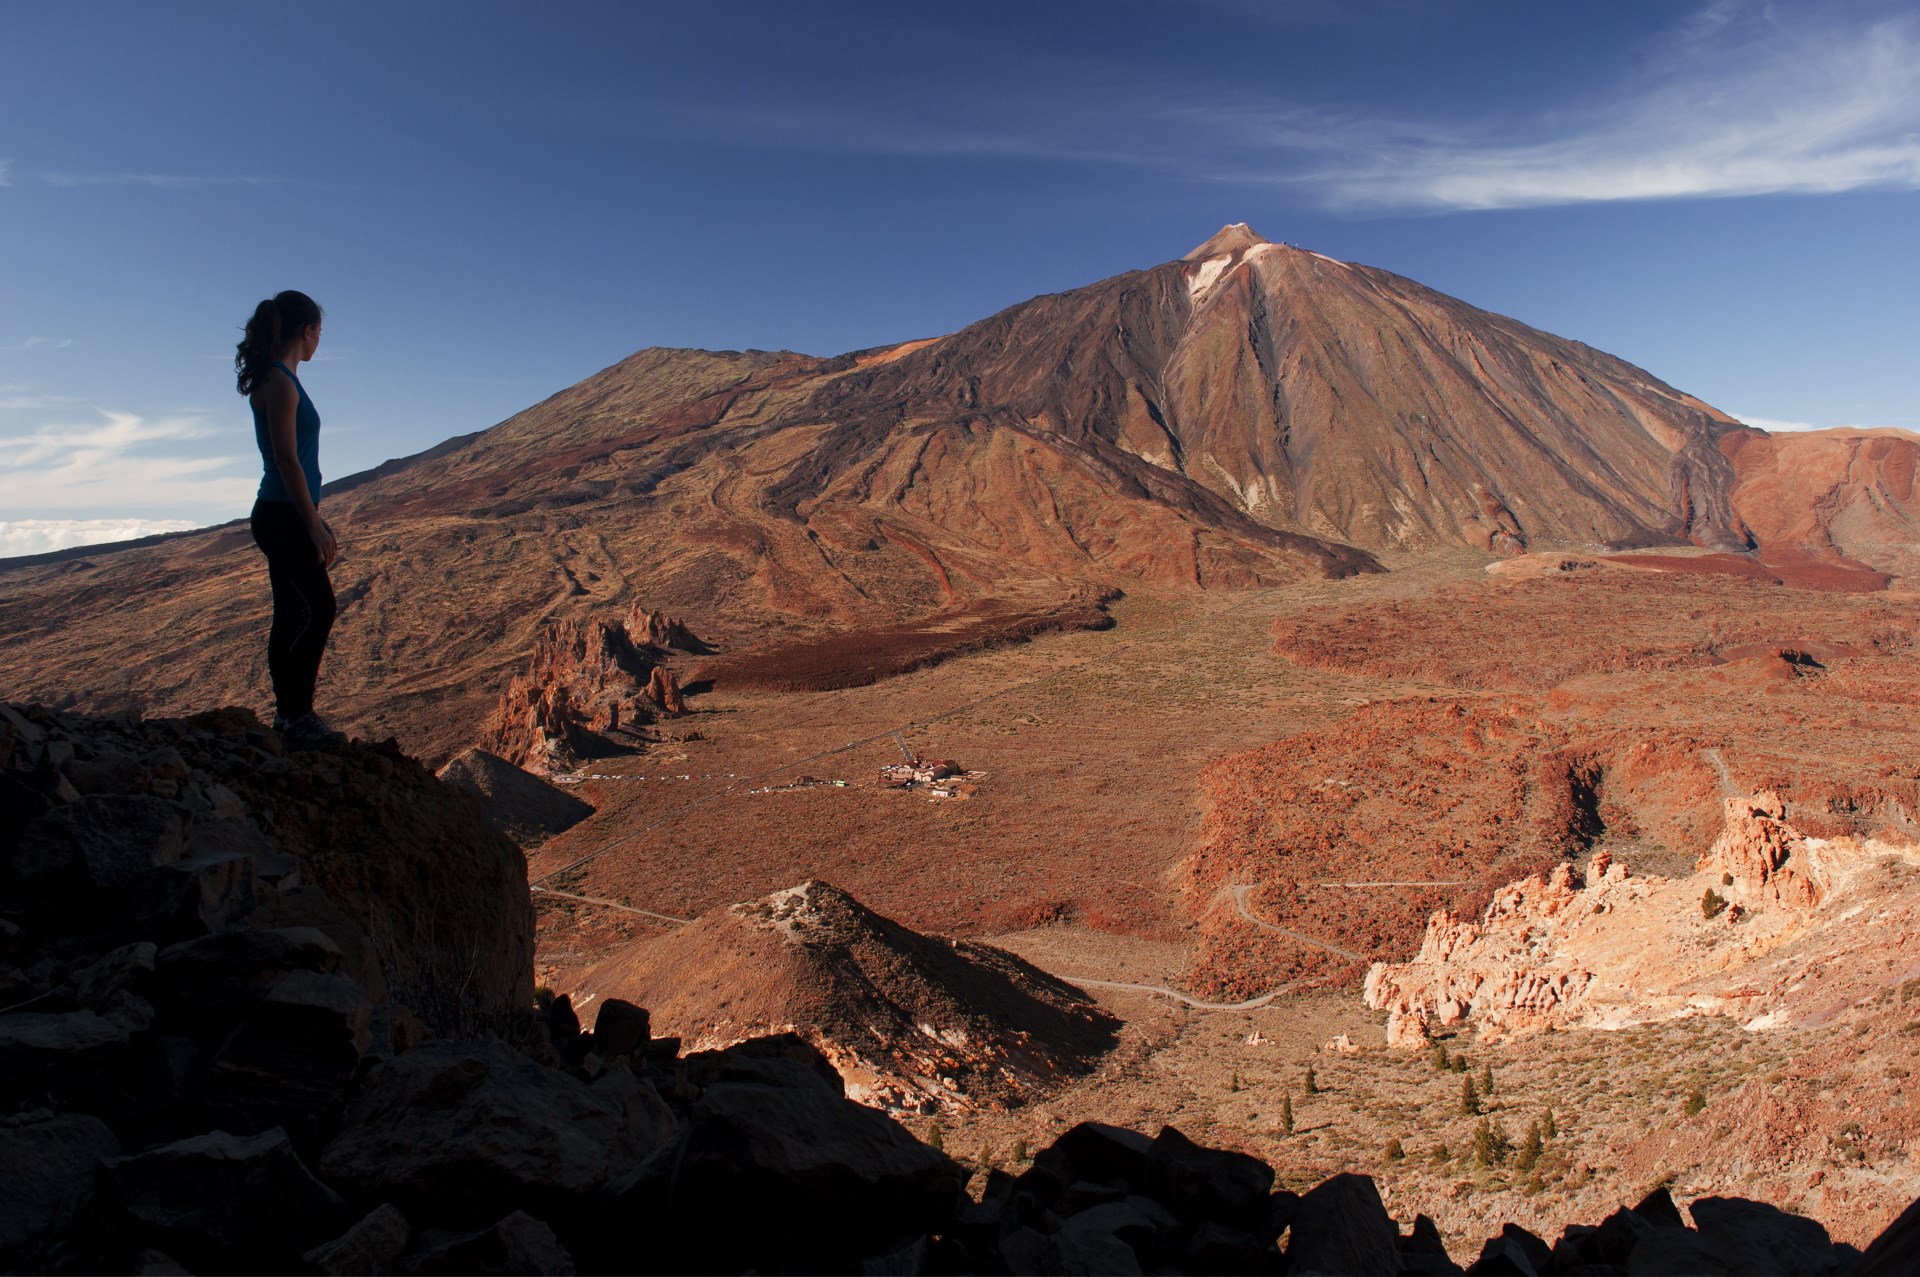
(309,731)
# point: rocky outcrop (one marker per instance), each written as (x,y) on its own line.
(588,685)
(213,1057)
(913,1023)
(525,807)
(647,628)
(1612,948)
(1761,858)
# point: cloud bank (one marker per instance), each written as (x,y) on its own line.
(39,536)
(125,461)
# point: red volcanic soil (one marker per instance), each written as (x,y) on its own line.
(1540,632)
(1780,566)
(1463,796)
(860,657)
(1723,686)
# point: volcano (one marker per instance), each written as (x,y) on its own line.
(1250,414)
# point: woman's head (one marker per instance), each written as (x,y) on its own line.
(285,323)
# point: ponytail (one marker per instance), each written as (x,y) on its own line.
(275,322)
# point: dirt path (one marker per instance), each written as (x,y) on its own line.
(1239,894)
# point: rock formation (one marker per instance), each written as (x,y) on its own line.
(1738,937)
(526,808)
(913,1023)
(587,682)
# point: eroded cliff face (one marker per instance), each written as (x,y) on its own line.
(1758,931)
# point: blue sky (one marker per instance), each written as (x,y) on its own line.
(493,201)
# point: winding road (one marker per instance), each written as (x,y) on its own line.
(1239,893)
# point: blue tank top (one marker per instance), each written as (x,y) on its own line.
(306,446)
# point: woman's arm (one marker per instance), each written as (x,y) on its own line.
(279,402)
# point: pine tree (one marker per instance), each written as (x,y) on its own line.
(1440,1060)
(1490,1147)
(1486,1079)
(1469,1098)
(1233,1083)
(1020,1151)
(1529,1155)
(1312,1084)
(936,1138)
(1286,1114)
(1547,1127)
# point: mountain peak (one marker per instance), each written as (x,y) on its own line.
(1228,239)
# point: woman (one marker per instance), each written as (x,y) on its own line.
(298,543)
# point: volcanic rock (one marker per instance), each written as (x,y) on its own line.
(517,1244)
(1614,948)
(1342,1227)
(1756,848)
(220,1193)
(526,808)
(474,1130)
(912,1022)
(369,1248)
(47,1213)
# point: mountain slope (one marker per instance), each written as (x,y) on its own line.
(1250,414)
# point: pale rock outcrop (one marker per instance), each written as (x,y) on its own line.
(1766,859)
(1609,948)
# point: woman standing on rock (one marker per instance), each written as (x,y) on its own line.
(298,543)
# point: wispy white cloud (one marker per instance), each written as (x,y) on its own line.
(39,536)
(1734,97)
(1740,103)
(123,461)
(6,167)
(155,179)
(41,343)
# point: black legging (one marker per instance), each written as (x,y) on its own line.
(302,604)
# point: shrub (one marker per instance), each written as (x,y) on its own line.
(1440,1060)
(1440,1156)
(1020,1151)
(936,1138)
(1233,1083)
(1696,1100)
(1394,1151)
(1712,904)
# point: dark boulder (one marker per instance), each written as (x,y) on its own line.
(48,1216)
(227,1201)
(1343,1227)
(1210,1182)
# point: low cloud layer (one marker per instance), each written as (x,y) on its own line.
(122,461)
(39,536)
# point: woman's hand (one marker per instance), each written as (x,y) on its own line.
(324,541)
